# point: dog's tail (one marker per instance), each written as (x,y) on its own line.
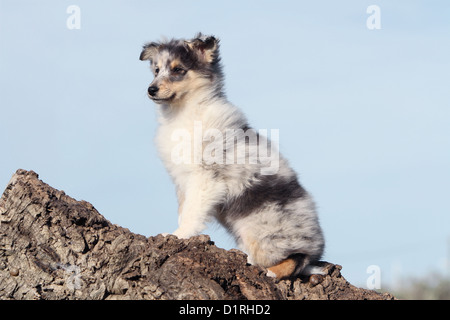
(294,265)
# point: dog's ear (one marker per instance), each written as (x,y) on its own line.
(205,46)
(149,50)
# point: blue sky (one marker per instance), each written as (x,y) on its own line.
(363,115)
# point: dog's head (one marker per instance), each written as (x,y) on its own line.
(183,67)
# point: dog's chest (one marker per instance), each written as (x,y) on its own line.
(180,144)
(192,141)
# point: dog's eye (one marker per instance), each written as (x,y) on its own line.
(177,70)
(156,70)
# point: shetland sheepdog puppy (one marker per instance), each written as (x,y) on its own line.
(223,168)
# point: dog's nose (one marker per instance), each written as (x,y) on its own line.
(152,90)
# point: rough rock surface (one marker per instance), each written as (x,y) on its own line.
(54,247)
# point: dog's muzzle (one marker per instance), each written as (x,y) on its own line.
(152,90)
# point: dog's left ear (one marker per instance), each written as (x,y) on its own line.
(205,46)
(149,51)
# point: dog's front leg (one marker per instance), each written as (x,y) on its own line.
(181,197)
(202,193)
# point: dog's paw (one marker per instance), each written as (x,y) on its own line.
(182,235)
(310,270)
(166,234)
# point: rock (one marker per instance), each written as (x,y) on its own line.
(54,247)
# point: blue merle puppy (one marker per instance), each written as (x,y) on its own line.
(221,166)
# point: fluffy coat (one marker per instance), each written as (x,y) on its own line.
(259,201)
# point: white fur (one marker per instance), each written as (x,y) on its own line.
(202,191)
(269,231)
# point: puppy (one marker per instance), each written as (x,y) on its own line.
(224,169)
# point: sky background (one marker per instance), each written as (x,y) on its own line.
(363,115)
